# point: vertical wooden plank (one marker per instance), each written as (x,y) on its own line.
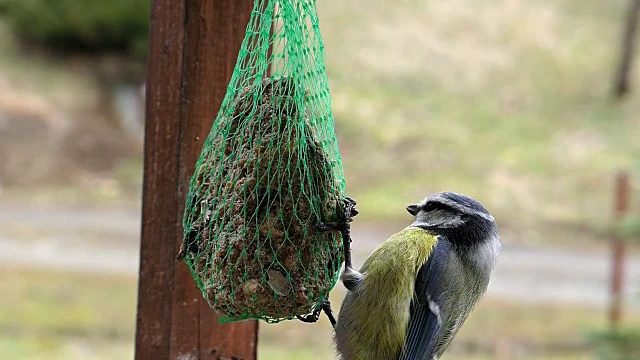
(621,207)
(627,51)
(207,21)
(157,252)
(237,341)
(174,321)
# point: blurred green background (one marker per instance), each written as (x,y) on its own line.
(506,100)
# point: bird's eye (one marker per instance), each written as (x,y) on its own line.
(430,206)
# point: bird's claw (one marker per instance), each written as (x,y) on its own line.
(342,225)
(350,208)
(315,315)
(311,318)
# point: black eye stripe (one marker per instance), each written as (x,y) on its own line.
(432,205)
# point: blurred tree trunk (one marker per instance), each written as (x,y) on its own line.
(118,80)
(621,84)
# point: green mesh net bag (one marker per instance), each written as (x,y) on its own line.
(269,172)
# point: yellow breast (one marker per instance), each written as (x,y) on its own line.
(383,298)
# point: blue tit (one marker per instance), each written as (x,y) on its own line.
(417,288)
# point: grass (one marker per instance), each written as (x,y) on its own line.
(61,315)
(68,303)
(42,347)
(507,101)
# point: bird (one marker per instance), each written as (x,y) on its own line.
(417,288)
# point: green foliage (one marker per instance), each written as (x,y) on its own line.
(90,25)
(617,345)
(629,227)
(269,172)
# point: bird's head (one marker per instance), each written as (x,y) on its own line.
(456,216)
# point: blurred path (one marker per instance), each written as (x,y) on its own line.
(537,274)
(106,241)
(101,240)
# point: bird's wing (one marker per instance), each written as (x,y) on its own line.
(425,323)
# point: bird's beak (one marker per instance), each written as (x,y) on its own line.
(413,209)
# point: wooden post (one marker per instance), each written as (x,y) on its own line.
(621,207)
(193,46)
(621,81)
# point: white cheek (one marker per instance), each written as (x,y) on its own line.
(491,250)
(487,255)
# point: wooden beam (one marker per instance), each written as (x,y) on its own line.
(621,82)
(193,46)
(160,179)
(621,207)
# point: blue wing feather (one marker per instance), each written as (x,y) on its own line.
(424,322)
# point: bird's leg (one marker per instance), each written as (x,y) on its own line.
(345,229)
(350,277)
(315,315)
(326,307)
